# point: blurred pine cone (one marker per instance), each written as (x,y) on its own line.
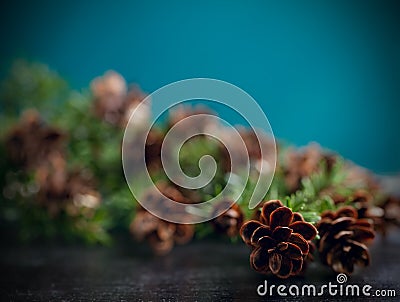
(160,234)
(357,176)
(391,215)
(63,190)
(302,163)
(253,143)
(31,142)
(152,150)
(279,240)
(253,140)
(342,239)
(230,221)
(134,97)
(113,102)
(109,92)
(181,112)
(363,201)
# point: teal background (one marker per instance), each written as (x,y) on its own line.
(325,71)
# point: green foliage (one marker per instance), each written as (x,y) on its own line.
(314,197)
(31,85)
(189,156)
(94,146)
(34,222)
(92,143)
(120,207)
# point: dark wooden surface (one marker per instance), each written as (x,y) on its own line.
(201,271)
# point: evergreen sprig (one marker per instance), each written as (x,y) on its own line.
(94,146)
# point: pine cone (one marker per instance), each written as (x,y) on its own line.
(279,241)
(152,151)
(230,221)
(179,113)
(363,202)
(300,164)
(31,142)
(134,97)
(113,102)
(254,140)
(391,216)
(109,93)
(60,189)
(342,239)
(254,143)
(160,234)
(357,176)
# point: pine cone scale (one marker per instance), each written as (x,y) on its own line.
(293,251)
(282,233)
(248,229)
(299,241)
(266,242)
(259,259)
(268,208)
(282,216)
(259,233)
(307,230)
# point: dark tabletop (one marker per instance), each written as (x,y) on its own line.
(200,271)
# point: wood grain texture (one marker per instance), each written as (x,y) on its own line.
(201,271)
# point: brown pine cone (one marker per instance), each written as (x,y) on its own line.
(230,221)
(160,234)
(357,176)
(279,241)
(254,143)
(109,92)
(31,141)
(391,213)
(134,97)
(251,140)
(391,207)
(60,189)
(363,202)
(342,239)
(181,112)
(152,149)
(302,163)
(113,103)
